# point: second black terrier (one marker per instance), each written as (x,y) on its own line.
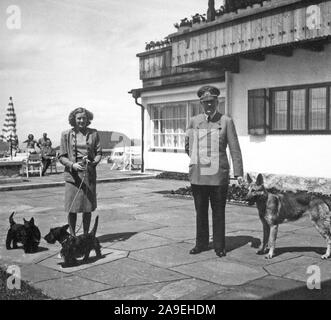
(28,234)
(74,247)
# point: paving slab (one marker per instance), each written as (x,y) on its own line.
(169,256)
(301,243)
(138,241)
(18,255)
(283,268)
(256,226)
(128,272)
(221,271)
(190,289)
(108,255)
(120,226)
(247,255)
(276,284)
(249,292)
(69,287)
(169,218)
(180,233)
(301,273)
(34,273)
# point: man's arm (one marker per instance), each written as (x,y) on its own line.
(235,150)
(188,136)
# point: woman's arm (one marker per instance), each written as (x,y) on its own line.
(97,150)
(63,156)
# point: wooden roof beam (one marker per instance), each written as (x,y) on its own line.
(284,52)
(313,46)
(257,56)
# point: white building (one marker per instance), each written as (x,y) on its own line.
(272,64)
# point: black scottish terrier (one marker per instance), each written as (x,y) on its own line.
(28,234)
(75,247)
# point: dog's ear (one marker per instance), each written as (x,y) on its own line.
(66,227)
(259,180)
(249,179)
(32,221)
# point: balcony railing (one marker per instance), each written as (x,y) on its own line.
(277,27)
(157,64)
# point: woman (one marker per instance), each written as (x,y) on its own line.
(80,153)
(31,144)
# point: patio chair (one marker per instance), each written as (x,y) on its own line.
(53,166)
(33,164)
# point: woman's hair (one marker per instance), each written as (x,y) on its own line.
(72,116)
(30,136)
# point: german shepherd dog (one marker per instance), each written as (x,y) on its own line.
(274,209)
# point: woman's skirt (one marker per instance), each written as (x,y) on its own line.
(80,196)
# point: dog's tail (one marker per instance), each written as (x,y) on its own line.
(94,230)
(11,219)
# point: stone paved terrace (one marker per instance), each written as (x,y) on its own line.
(104,174)
(146,238)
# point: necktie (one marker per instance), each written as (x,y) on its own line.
(208,118)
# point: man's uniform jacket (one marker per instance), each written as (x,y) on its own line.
(206,144)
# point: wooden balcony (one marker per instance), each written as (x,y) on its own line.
(156,71)
(284,24)
(158,63)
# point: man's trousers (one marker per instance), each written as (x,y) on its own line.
(217,196)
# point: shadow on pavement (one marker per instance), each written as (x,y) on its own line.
(20,247)
(303,293)
(80,262)
(235,242)
(115,237)
(282,250)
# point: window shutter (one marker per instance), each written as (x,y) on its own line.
(257,112)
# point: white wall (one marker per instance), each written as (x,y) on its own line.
(169,161)
(300,155)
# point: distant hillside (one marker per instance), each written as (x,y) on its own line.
(112,139)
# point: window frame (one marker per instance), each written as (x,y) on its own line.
(188,115)
(306,87)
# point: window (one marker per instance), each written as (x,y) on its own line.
(170,120)
(257,117)
(317,109)
(299,109)
(279,110)
(169,125)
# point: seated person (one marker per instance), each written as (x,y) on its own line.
(42,141)
(31,144)
(47,155)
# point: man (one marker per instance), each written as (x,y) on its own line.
(207,138)
(42,141)
(47,154)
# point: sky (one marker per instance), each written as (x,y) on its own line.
(80,53)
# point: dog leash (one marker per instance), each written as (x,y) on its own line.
(80,187)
